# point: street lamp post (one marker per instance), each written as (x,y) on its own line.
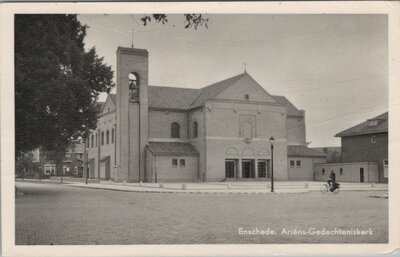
(271,141)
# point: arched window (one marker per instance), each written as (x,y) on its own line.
(102,138)
(96,139)
(175,130)
(108,137)
(133,87)
(92,140)
(195,129)
(112,136)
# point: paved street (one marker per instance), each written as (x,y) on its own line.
(54,214)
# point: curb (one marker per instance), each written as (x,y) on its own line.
(189,192)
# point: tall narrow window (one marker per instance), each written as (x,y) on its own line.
(92,140)
(102,138)
(112,136)
(108,137)
(175,130)
(96,139)
(195,129)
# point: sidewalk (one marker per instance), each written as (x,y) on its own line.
(264,187)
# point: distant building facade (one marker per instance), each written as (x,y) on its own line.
(72,163)
(215,133)
(364,153)
(333,153)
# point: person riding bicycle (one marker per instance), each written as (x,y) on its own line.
(332,181)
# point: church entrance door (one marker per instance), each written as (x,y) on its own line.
(247,168)
(230,168)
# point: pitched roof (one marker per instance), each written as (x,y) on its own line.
(186,98)
(114,98)
(291,109)
(364,128)
(171,97)
(214,89)
(303,151)
(172,148)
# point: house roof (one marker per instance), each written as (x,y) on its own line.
(364,128)
(303,151)
(290,108)
(172,148)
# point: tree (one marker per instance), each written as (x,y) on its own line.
(25,165)
(192,20)
(57,82)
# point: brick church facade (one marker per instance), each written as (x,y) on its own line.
(215,133)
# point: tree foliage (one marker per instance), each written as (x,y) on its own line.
(57,82)
(192,20)
(25,165)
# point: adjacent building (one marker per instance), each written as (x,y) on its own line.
(364,153)
(216,133)
(72,163)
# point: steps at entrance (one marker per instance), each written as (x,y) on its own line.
(244,179)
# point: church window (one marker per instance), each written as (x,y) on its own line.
(92,140)
(108,137)
(175,130)
(246,97)
(195,129)
(95,140)
(112,136)
(102,138)
(134,87)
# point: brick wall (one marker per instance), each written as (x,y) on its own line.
(362,149)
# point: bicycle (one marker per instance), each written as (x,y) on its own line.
(325,188)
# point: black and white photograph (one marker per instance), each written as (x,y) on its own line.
(200,128)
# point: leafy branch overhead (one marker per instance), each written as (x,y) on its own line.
(192,20)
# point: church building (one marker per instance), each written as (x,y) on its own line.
(220,132)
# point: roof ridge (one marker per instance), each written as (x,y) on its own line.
(233,78)
(378,129)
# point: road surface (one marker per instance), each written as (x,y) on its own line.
(50,214)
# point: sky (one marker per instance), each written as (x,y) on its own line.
(335,67)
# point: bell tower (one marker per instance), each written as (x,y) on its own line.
(132,114)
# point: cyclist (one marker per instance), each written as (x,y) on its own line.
(332,181)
